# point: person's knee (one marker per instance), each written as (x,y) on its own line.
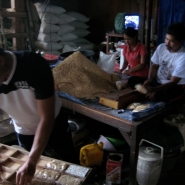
(134,80)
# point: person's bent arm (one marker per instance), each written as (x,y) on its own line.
(125,64)
(140,66)
(151,91)
(152,74)
(45,126)
(173,82)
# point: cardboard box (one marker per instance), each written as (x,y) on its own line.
(114,168)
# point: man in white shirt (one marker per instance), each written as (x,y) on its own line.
(166,77)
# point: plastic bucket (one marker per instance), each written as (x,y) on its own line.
(149,163)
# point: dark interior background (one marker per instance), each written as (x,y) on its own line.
(102,13)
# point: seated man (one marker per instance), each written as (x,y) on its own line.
(166,77)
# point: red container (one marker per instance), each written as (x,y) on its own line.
(114,168)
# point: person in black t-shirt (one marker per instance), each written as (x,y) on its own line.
(27,94)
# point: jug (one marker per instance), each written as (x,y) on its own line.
(149,163)
(91,154)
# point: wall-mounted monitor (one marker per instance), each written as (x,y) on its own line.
(131,20)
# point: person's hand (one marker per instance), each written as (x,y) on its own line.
(151,96)
(147,82)
(1,173)
(126,72)
(25,173)
(150,89)
(151,92)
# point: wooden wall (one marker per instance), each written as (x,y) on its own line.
(102,14)
(69,5)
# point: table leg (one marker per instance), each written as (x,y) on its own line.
(133,142)
(107,44)
(134,150)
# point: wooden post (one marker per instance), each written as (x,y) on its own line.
(18,5)
(141,31)
(148,22)
(19,24)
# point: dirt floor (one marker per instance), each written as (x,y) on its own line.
(175,176)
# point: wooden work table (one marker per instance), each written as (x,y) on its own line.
(131,131)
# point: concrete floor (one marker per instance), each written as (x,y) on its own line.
(176,176)
(172,174)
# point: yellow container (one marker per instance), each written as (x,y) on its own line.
(91,154)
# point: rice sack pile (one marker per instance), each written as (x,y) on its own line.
(81,78)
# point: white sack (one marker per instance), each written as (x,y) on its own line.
(78,24)
(49,18)
(47,45)
(49,8)
(65,18)
(107,62)
(68,37)
(69,43)
(46,37)
(80,32)
(65,28)
(121,59)
(48,28)
(78,16)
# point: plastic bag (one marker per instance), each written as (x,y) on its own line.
(107,62)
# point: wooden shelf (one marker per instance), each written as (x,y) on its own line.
(107,40)
(16,35)
(17,15)
(13,14)
(114,35)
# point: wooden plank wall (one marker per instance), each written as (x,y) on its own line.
(102,14)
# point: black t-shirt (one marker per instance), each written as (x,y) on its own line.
(30,79)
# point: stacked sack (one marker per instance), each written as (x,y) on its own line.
(48,38)
(60,31)
(80,31)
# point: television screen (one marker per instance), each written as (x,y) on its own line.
(131,20)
